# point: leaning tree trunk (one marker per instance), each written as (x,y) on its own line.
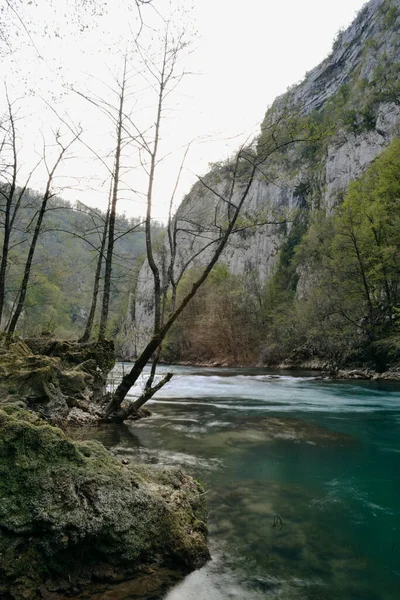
(28,265)
(130,378)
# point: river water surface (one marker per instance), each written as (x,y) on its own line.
(302,478)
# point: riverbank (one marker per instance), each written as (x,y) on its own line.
(72,514)
(321,367)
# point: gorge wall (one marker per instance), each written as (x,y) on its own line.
(351,105)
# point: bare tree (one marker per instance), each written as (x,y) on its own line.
(96,285)
(10,194)
(119,113)
(48,193)
(20,24)
(114,199)
(229,204)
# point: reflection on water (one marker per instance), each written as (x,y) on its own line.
(302,477)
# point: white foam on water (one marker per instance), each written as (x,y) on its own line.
(169,458)
(270,391)
(349,487)
(216,582)
(212,582)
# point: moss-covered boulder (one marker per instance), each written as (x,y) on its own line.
(52,377)
(95,358)
(70,513)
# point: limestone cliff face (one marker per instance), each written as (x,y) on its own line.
(360,47)
(357,89)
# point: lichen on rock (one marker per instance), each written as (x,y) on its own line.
(70,513)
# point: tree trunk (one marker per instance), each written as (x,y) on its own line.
(28,265)
(9,197)
(148,393)
(113,211)
(89,324)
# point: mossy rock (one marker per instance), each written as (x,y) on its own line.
(70,512)
(51,377)
(93,358)
(101,354)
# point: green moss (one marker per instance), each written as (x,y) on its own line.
(51,376)
(73,505)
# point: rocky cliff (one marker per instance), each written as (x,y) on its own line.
(352,101)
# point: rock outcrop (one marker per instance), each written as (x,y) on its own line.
(55,378)
(71,514)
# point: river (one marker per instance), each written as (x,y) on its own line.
(302,476)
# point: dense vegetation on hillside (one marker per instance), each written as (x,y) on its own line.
(60,288)
(349,309)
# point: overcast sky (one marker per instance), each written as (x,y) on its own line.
(244,55)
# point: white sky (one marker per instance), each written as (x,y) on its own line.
(245,54)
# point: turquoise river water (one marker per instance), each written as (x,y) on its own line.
(302,477)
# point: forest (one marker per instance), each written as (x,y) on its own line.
(347,316)
(58,295)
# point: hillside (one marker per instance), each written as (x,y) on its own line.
(290,285)
(60,289)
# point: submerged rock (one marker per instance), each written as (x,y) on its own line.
(147,585)
(71,514)
(288,428)
(284,528)
(258,430)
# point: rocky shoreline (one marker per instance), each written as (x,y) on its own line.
(321,367)
(54,378)
(71,514)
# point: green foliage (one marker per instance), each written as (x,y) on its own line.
(61,284)
(385,82)
(349,309)
(286,276)
(278,135)
(280,291)
(391,16)
(389,13)
(363,12)
(353,108)
(334,291)
(370,44)
(337,42)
